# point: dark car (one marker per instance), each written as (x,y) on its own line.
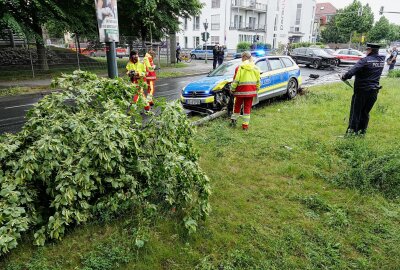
(315,57)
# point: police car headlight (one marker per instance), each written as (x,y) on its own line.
(183,91)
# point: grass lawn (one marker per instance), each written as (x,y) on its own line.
(274,204)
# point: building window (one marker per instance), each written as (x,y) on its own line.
(196,23)
(252,23)
(214,40)
(298,14)
(185,24)
(247,38)
(196,41)
(328,18)
(276,23)
(277,5)
(186,42)
(215,22)
(215,3)
(238,23)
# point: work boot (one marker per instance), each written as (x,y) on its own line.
(233,123)
(245,127)
(147,108)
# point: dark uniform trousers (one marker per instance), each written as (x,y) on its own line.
(361,105)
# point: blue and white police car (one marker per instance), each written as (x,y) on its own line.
(279,76)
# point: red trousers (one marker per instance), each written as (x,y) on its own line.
(247,102)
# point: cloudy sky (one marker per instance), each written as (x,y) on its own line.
(389,5)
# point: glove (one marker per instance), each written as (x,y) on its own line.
(342,78)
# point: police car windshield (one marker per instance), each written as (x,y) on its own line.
(225,69)
(320,52)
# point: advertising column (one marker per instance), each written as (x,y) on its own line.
(107,19)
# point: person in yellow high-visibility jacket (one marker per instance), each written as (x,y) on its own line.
(244,87)
(137,72)
(151,76)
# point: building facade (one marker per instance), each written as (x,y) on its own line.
(324,13)
(234,21)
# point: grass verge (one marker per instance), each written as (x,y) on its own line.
(276,204)
(20,90)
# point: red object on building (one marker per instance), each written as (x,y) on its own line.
(324,12)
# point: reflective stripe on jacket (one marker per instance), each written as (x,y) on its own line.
(246,81)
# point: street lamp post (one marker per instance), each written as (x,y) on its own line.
(205,35)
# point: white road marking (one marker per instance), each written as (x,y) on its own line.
(24,105)
(12,118)
(164,84)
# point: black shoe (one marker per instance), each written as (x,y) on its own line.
(233,122)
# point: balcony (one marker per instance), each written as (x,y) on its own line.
(249,5)
(248,27)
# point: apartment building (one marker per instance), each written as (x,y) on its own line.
(233,21)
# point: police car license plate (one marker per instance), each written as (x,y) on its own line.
(193,101)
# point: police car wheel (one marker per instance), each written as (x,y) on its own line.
(292,88)
(193,56)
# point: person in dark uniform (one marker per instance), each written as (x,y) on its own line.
(215,56)
(367,72)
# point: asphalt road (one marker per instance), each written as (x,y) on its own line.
(13,109)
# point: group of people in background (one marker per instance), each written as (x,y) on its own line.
(218,55)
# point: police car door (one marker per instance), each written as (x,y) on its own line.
(266,80)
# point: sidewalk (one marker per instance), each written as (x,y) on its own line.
(196,67)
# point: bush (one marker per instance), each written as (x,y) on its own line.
(82,154)
(394,73)
(243,46)
(307,44)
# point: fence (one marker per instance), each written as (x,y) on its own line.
(23,62)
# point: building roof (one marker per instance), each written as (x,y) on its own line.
(324,9)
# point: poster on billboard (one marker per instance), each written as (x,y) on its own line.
(107,19)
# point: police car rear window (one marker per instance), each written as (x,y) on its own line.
(287,62)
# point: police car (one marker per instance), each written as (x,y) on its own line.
(279,76)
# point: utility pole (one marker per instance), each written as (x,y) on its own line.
(206,37)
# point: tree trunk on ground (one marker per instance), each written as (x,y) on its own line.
(172,38)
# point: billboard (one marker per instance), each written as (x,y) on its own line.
(107,19)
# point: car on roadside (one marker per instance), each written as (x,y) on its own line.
(349,56)
(200,52)
(315,57)
(279,76)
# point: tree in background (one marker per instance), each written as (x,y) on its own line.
(29,18)
(348,20)
(394,32)
(380,31)
(332,34)
(145,19)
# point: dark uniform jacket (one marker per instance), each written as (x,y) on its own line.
(368,71)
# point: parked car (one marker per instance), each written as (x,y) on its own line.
(315,57)
(200,52)
(349,56)
(279,76)
(330,51)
